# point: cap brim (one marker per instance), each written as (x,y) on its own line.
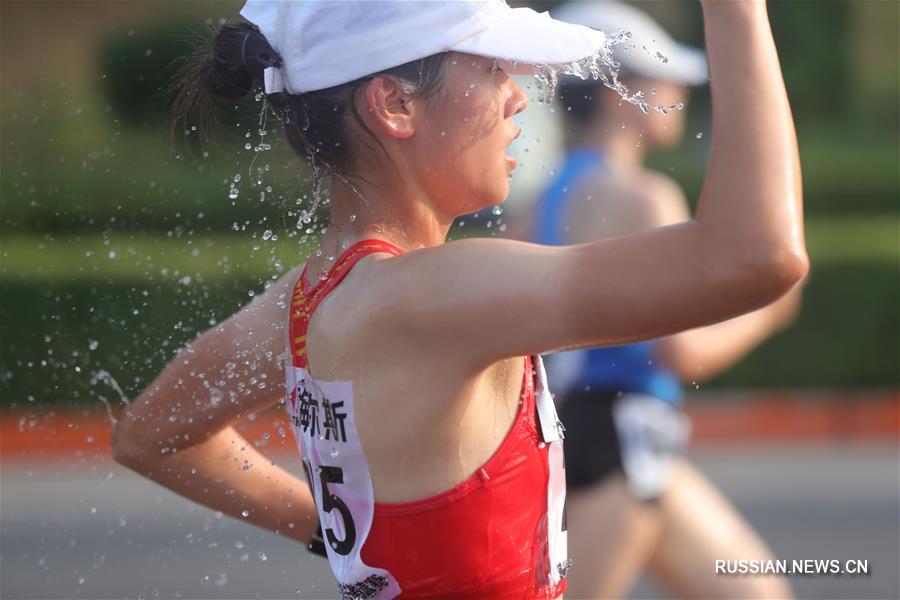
(526,38)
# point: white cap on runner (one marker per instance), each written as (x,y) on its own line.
(649,52)
(324,43)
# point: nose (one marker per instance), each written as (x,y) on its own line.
(517,100)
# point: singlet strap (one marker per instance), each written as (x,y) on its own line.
(306,298)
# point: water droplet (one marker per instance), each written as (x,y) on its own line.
(245,513)
(334,452)
(267,234)
(699,135)
(262,556)
(92,344)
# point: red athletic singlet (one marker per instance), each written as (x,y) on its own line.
(498,534)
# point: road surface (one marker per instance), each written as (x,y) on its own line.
(91,529)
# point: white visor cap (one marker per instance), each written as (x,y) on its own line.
(650,51)
(323,43)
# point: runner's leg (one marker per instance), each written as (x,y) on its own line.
(700,527)
(611,537)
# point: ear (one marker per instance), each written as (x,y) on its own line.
(389,108)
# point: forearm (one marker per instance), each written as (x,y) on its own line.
(751,204)
(702,353)
(226,473)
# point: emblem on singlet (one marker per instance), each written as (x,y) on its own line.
(364,590)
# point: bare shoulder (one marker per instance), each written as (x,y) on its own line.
(392,303)
(260,326)
(613,205)
(273,303)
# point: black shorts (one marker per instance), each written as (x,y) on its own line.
(608,432)
(592,442)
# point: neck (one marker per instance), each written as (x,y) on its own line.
(400,214)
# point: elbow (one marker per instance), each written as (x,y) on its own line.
(777,271)
(685,367)
(787,267)
(681,357)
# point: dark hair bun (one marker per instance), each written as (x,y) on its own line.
(240,55)
(226,68)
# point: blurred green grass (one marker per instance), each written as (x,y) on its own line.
(846,239)
(140,186)
(149,259)
(114,250)
(72,305)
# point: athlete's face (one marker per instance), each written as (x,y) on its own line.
(461,141)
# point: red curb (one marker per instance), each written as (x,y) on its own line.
(772,416)
(798,417)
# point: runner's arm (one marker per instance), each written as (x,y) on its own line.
(743,250)
(647,202)
(179,431)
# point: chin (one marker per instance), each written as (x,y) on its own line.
(482,199)
(497,196)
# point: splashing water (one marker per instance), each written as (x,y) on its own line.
(109,380)
(601,67)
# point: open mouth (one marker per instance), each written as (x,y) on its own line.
(510,159)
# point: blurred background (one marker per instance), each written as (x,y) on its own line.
(116,249)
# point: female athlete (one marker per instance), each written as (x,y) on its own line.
(432,450)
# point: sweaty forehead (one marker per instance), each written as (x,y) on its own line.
(466,69)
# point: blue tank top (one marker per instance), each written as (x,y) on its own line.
(632,368)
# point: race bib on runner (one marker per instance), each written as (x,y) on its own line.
(652,435)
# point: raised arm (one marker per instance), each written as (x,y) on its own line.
(647,201)
(743,250)
(179,431)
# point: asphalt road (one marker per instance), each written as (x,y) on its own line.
(92,530)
